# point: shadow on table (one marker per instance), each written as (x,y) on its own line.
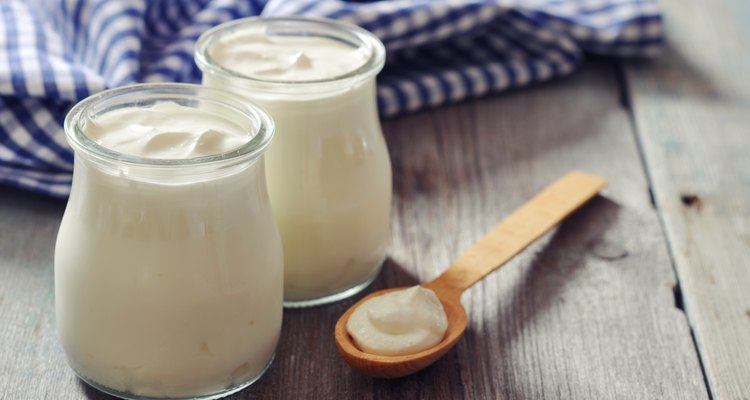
(91,393)
(559,260)
(540,286)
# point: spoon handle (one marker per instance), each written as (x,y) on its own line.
(518,230)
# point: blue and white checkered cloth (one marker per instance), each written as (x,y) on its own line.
(54,53)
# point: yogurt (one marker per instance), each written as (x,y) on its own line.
(398,323)
(254,53)
(168,277)
(165,130)
(329,173)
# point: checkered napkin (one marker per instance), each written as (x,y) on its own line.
(56,52)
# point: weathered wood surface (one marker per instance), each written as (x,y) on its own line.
(586,313)
(692,112)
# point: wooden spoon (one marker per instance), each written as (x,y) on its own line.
(515,233)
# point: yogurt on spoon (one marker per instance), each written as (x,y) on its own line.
(399,323)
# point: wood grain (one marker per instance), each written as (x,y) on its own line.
(585,313)
(31,362)
(692,110)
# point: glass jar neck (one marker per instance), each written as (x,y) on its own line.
(169,175)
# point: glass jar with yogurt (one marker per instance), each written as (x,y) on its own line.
(168,263)
(329,173)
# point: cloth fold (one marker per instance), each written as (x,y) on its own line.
(54,53)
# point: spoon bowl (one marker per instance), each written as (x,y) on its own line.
(532,220)
(397,366)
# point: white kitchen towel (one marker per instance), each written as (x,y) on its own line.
(54,53)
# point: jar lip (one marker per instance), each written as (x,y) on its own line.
(259,141)
(374,64)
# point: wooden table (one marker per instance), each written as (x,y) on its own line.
(644,293)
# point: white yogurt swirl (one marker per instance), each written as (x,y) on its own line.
(262,55)
(399,323)
(166,130)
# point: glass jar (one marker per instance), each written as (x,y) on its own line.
(329,172)
(168,272)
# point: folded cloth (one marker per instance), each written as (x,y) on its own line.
(54,53)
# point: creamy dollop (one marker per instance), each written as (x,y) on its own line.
(259,54)
(399,323)
(165,130)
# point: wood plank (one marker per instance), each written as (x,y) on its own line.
(31,362)
(587,312)
(692,111)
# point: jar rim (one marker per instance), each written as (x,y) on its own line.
(370,68)
(259,141)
